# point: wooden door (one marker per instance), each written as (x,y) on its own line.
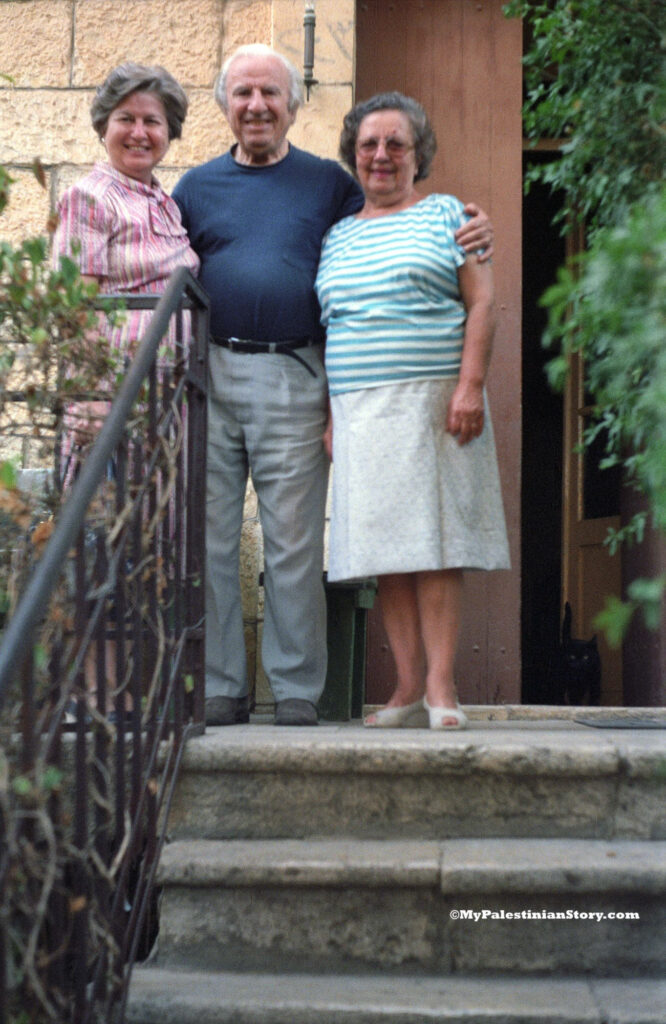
(591,506)
(462,61)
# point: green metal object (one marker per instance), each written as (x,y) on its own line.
(347,608)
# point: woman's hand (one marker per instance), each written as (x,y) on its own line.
(465,414)
(476,234)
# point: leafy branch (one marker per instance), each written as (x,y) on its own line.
(52,351)
(596,80)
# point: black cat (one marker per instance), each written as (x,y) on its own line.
(579,667)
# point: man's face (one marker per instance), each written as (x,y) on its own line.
(258,112)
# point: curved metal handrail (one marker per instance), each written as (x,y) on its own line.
(123,777)
(36,595)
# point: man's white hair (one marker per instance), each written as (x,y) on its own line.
(261,50)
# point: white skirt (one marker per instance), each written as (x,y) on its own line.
(406,496)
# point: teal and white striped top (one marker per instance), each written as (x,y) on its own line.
(388,289)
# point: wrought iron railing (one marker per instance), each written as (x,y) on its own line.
(101,683)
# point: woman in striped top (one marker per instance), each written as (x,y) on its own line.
(410,319)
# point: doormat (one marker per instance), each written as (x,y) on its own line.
(622,723)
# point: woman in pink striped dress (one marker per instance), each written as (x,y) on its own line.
(117,223)
(125,233)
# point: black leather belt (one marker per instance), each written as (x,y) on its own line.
(286,347)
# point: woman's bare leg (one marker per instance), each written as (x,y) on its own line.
(439,601)
(398,601)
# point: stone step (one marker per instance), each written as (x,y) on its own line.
(498,778)
(166,997)
(455,906)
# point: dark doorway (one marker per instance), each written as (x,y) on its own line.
(541,505)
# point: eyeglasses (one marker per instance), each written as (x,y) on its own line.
(394,147)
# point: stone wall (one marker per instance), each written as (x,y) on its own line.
(55,52)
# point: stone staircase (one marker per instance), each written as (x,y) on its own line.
(512,873)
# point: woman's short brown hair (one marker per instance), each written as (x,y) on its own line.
(128,78)
(425,143)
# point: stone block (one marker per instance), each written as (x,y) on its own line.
(162,996)
(641,808)
(621,1002)
(183,36)
(251,508)
(290,803)
(322,901)
(566,936)
(264,700)
(318,123)
(28,208)
(250,634)
(339,863)
(262,691)
(35,42)
(641,803)
(168,177)
(206,133)
(281,926)
(334,37)
(245,21)
(549,866)
(498,780)
(54,125)
(249,567)
(65,175)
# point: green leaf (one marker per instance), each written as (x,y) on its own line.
(613,620)
(39,335)
(8,475)
(52,778)
(22,786)
(648,593)
(35,249)
(40,655)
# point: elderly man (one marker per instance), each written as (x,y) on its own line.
(256,217)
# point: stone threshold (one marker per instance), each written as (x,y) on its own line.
(555,713)
(627,717)
(454,866)
(523,746)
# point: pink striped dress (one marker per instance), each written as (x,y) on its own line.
(127,234)
(130,236)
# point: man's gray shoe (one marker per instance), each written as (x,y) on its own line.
(294,711)
(227,710)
